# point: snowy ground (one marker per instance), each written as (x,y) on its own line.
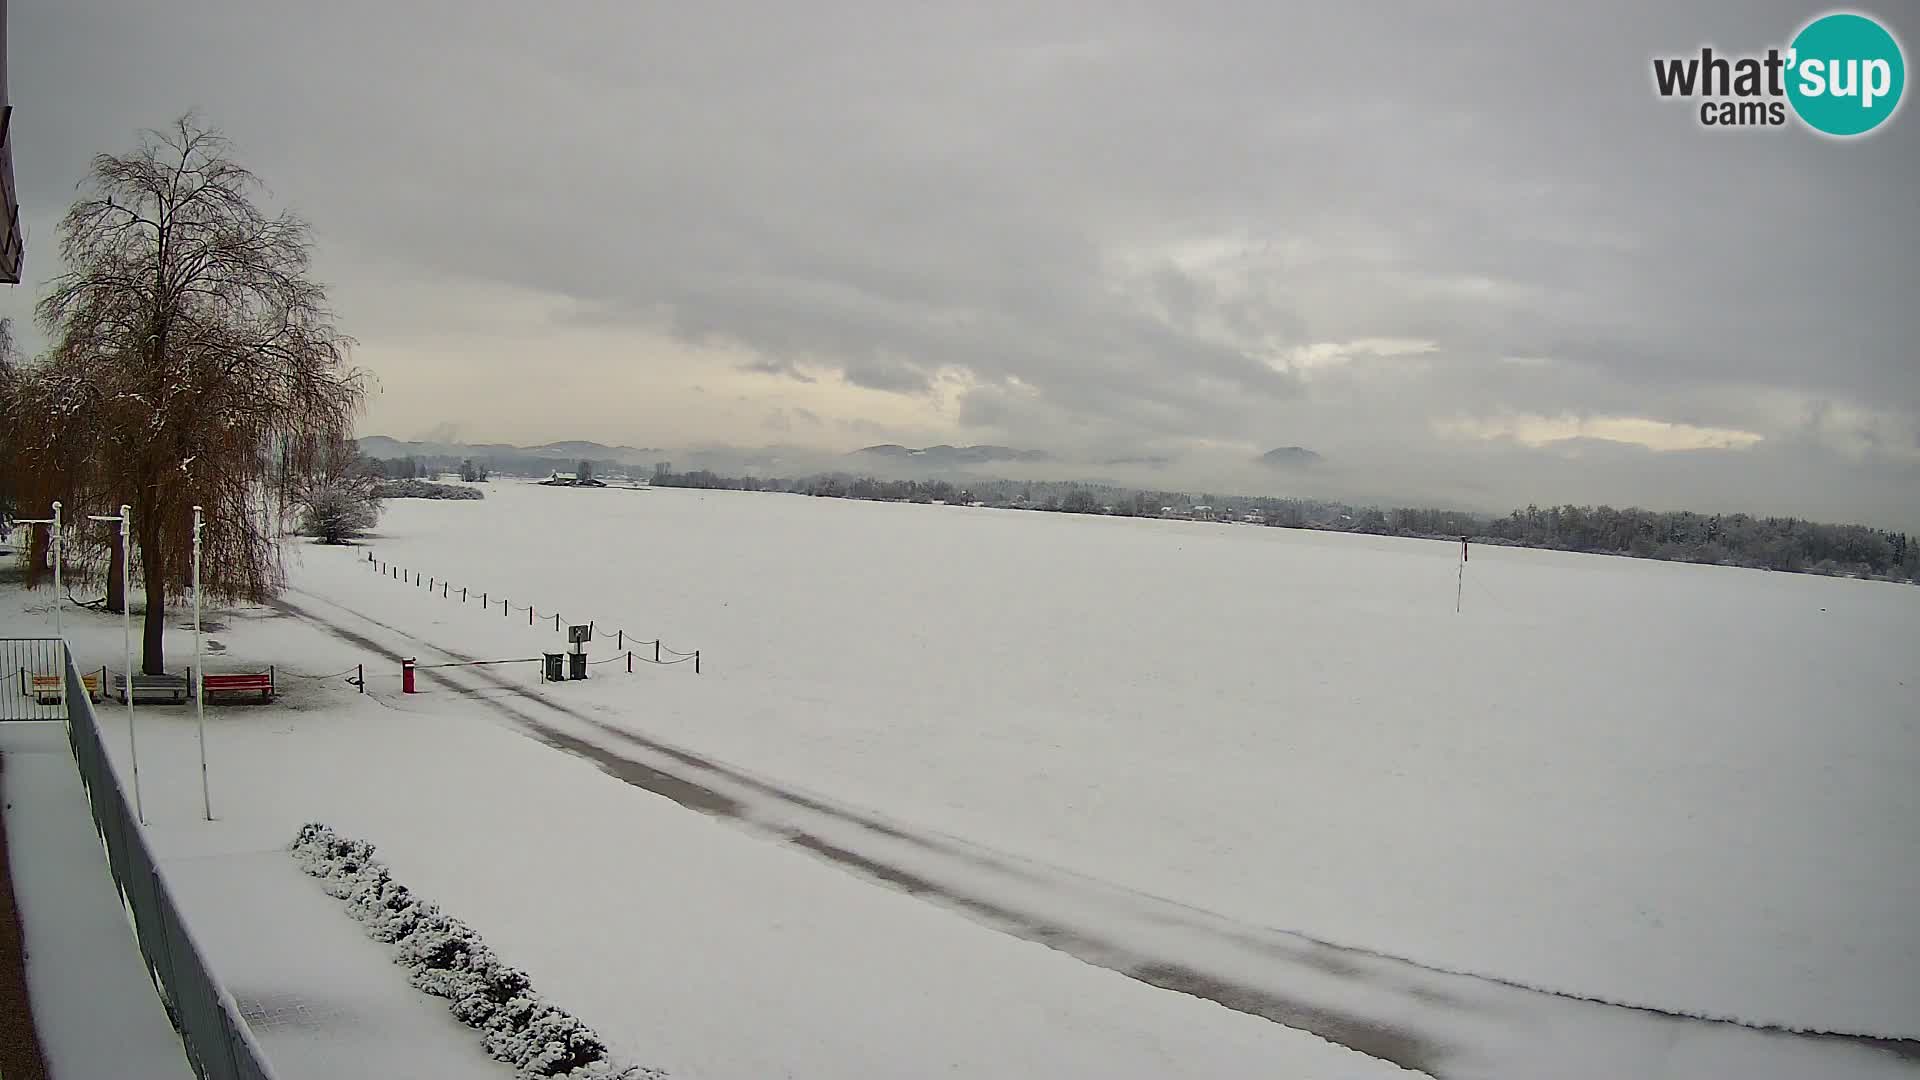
(1677,787)
(93,1002)
(689,944)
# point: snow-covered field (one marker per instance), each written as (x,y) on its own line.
(1678,786)
(1684,788)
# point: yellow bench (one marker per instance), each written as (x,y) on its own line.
(46,688)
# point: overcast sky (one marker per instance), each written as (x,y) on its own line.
(1466,255)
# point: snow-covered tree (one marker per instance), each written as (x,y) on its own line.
(341,503)
(189,334)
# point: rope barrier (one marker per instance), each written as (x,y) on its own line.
(621,636)
(477,663)
(335,675)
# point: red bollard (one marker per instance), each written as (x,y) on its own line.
(406,676)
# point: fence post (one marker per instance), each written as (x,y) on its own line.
(463,594)
(556,620)
(362,677)
(443,590)
(529,614)
(696,661)
(620,641)
(656,650)
(629,661)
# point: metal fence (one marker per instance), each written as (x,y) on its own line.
(30,688)
(219,1044)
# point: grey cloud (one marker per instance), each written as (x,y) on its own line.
(1104,216)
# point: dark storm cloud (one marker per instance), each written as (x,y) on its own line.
(1101,225)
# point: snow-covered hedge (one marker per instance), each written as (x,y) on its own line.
(447,959)
(425,489)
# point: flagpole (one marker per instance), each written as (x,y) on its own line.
(53,539)
(200,676)
(56,589)
(58,594)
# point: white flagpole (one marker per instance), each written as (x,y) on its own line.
(199,676)
(54,542)
(58,596)
(56,590)
(126,629)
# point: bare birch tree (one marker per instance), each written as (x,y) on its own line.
(189,332)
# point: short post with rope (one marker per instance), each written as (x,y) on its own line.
(1460,579)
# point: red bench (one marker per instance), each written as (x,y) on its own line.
(243,682)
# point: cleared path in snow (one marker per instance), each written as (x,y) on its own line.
(1441,1023)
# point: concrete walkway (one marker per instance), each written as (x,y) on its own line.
(93,1002)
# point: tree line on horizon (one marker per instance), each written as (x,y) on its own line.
(1768,543)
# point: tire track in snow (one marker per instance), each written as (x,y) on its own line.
(1444,1024)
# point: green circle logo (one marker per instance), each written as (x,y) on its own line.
(1845,74)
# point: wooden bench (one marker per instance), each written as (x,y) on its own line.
(240,682)
(46,688)
(163,689)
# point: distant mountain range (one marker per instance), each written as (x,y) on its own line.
(886,458)
(381,446)
(1289,457)
(944,456)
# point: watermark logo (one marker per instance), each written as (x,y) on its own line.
(1842,75)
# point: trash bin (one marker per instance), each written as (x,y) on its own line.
(576,665)
(553,668)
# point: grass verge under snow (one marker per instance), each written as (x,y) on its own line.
(446,958)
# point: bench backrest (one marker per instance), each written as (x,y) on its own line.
(238,681)
(91,681)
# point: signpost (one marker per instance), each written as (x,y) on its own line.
(578,636)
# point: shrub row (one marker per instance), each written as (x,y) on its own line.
(446,958)
(424,489)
